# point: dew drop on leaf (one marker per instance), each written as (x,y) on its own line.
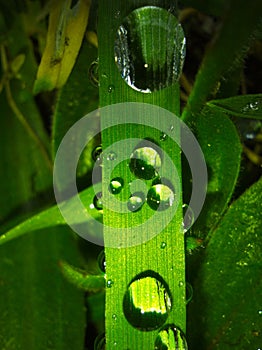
(160,197)
(142,68)
(97,201)
(102,261)
(109,283)
(111,88)
(163,245)
(136,201)
(93,73)
(145,162)
(97,153)
(100,342)
(188,217)
(147,302)
(163,136)
(171,338)
(111,156)
(116,185)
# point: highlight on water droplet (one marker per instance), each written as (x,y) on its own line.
(147,302)
(109,283)
(171,338)
(163,245)
(144,67)
(160,197)
(136,201)
(97,201)
(188,217)
(93,73)
(102,261)
(100,342)
(116,185)
(145,162)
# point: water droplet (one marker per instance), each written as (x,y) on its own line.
(163,245)
(171,338)
(142,68)
(180,283)
(260,312)
(109,283)
(93,73)
(100,342)
(160,197)
(136,201)
(116,185)
(188,217)
(111,88)
(145,162)
(102,261)
(254,106)
(163,136)
(114,317)
(111,156)
(117,14)
(189,292)
(147,302)
(97,153)
(97,201)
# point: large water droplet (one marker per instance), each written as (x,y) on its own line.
(100,342)
(171,338)
(147,302)
(145,162)
(150,49)
(136,201)
(97,201)
(116,185)
(93,73)
(160,197)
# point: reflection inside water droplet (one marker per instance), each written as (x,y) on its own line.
(145,162)
(136,201)
(150,49)
(160,197)
(116,185)
(171,338)
(97,201)
(147,302)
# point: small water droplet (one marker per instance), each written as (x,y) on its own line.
(189,292)
(93,73)
(114,317)
(97,153)
(111,156)
(260,312)
(163,245)
(254,105)
(102,261)
(117,14)
(142,68)
(97,201)
(171,338)
(136,201)
(100,342)
(109,283)
(160,197)
(111,88)
(188,217)
(180,283)
(147,302)
(145,162)
(163,136)
(116,185)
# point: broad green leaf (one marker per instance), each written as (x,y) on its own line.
(77,98)
(245,106)
(225,53)
(226,310)
(52,217)
(36,302)
(221,146)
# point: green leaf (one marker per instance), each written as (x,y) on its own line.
(52,217)
(36,302)
(222,150)
(225,53)
(226,312)
(246,106)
